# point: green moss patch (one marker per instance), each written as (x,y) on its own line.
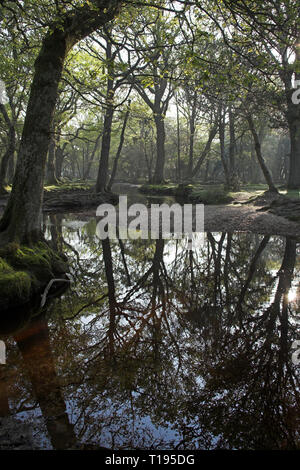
(291,193)
(25,271)
(211,196)
(204,195)
(13,284)
(70,186)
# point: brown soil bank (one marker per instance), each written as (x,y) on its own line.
(248,218)
(269,213)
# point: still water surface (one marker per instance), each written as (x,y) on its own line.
(157,347)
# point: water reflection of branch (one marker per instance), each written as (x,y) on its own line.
(252,269)
(122,249)
(175,344)
(89,304)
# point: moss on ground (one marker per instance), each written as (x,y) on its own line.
(210,196)
(25,271)
(69,186)
(291,193)
(13,284)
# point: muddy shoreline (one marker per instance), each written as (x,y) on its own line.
(236,217)
(231,218)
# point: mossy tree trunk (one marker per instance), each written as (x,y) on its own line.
(22,218)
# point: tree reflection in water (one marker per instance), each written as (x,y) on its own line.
(158,347)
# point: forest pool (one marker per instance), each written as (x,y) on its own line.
(154,346)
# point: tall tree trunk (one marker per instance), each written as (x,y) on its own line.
(253,165)
(294,128)
(105,149)
(222,144)
(159,108)
(7,157)
(178,166)
(149,160)
(9,154)
(118,154)
(206,173)
(91,159)
(293,117)
(160,148)
(11,168)
(231,142)
(233,178)
(192,126)
(59,158)
(108,118)
(51,176)
(22,218)
(260,158)
(212,133)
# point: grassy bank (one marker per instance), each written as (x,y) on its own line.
(68,187)
(192,193)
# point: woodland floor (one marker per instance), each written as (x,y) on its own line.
(232,218)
